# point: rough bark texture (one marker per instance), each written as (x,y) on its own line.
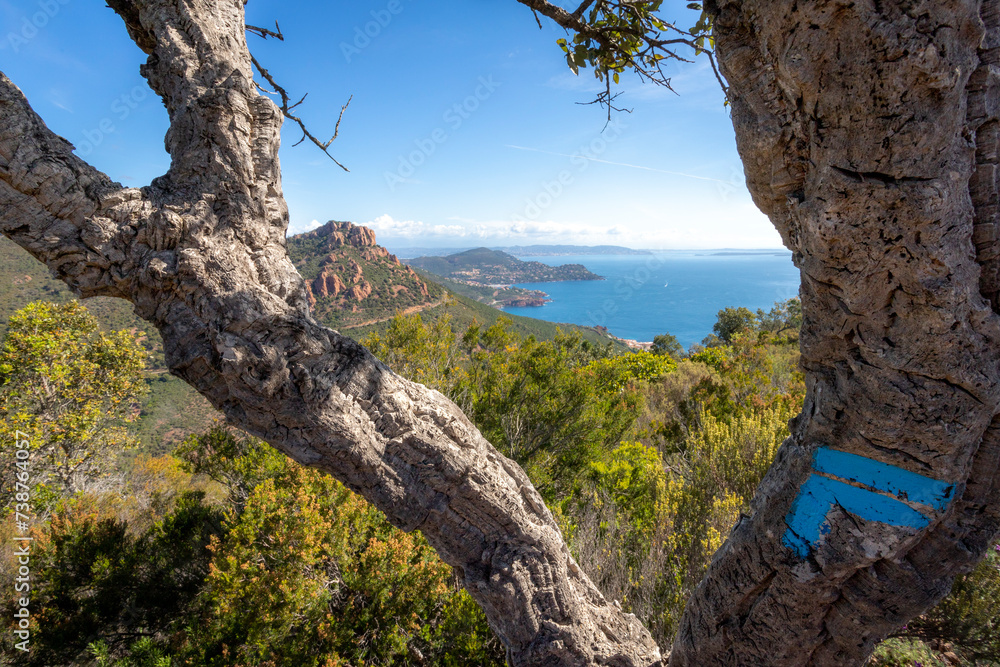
(868,129)
(201,254)
(870,134)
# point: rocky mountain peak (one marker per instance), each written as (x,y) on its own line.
(337,234)
(351,280)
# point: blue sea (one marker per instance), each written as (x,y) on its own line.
(677,291)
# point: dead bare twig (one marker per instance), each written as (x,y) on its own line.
(286,105)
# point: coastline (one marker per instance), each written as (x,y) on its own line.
(636,344)
(630,343)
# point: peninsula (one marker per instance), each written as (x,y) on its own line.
(482,266)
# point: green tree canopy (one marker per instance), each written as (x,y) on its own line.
(783,316)
(733,321)
(70,387)
(669,345)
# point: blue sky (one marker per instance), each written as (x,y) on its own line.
(464,128)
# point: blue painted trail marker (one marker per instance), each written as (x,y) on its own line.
(884,487)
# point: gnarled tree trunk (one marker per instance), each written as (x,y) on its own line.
(870,137)
(201,254)
(868,130)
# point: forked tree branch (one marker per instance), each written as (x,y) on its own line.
(287,105)
(201,253)
(637,43)
(264,33)
(901,349)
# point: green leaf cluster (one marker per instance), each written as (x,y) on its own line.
(619,38)
(277,564)
(71,388)
(615,36)
(626,370)
(97,581)
(552,406)
(784,316)
(307,573)
(669,345)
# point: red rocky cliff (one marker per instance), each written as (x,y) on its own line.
(349,251)
(337,234)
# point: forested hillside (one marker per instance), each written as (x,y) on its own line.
(353,281)
(483,266)
(224,552)
(354,285)
(170,409)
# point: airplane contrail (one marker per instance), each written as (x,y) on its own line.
(621,164)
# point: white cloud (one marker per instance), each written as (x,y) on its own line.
(385,225)
(670,224)
(505,231)
(58,99)
(300,228)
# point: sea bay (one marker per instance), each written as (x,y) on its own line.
(675,291)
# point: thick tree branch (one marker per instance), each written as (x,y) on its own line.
(900,346)
(562,17)
(584,6)
(201,254)
(62,210)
